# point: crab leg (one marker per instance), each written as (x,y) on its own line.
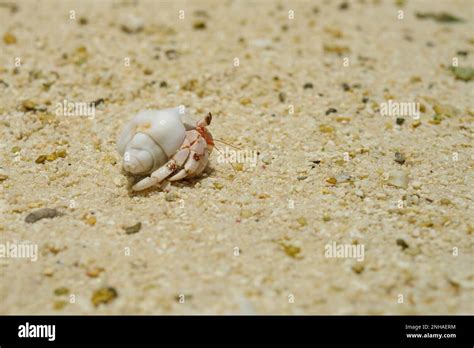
(165,170)
(194,160)
(203,162)
(170,167)
(145,183)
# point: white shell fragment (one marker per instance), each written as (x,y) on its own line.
(132,24)
(398,178)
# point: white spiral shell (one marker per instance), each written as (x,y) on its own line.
(151,138)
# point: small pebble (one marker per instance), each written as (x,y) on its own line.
(400,121)
(416,185)
(266,159)
(171,55)
(302,221)
(44,213)
(413,199)
(245,213)
(133,229)
(61,291)
(343,177)
(359,193)
(103,296)
(436,119)
(48,272)
(324,128)
(444,17)
(217,185)
(9,38)
(337,49)
(16,149)
(29,105)
(132,24)
(94,272)
(331,111)
(308,85)
(245,101)
(398,178)
(199,25)
(58,305)
(399,158)
(445,201)
(344,6)
(190,85)
(358,268)
(282,97)
(291,250)
(91,220)
(463,73)
(402,243)
(51,157)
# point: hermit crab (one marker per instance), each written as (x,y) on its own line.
(165,144)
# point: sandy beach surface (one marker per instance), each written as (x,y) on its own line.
(305,88)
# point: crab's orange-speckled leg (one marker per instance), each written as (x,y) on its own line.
(167,169)
(197,157)
(203,162)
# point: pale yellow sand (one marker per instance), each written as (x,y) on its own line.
(188,237)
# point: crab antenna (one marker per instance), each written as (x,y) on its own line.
(223,142)
(235,171)
(206,121)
